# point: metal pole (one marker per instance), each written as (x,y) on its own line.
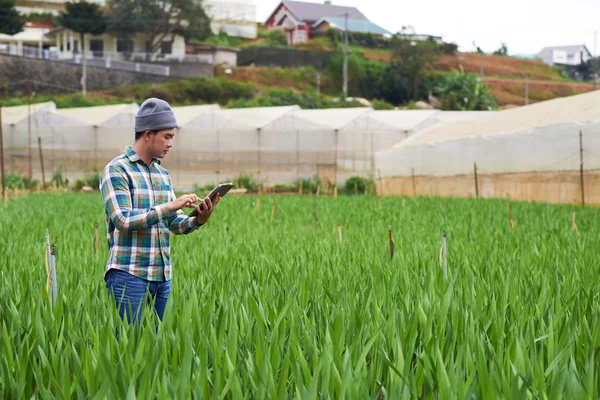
(594,63)
(581,167)
(53,272)
(297,154)
(476,182)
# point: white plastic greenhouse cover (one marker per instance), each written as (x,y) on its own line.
(542,137)
(16,114)
(99,115)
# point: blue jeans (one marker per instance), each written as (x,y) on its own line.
(129,292)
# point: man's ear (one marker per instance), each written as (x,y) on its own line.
(147,134)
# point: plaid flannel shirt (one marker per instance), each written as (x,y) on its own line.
(137,219)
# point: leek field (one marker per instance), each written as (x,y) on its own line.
(272,304)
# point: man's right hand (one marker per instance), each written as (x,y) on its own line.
(187,200)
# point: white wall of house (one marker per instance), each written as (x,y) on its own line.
(67,42)
(575,58)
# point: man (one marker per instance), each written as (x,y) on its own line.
(141,211)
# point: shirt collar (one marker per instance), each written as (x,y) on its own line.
(134,157)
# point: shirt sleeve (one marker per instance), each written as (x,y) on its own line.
(179,222)
(114,186)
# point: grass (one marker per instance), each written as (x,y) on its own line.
(279,308)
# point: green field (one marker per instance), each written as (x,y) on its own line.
(279,308)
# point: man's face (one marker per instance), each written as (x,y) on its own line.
(161,143)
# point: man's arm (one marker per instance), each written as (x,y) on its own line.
(180,223)
(117,199)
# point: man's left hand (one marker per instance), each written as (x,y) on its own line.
(207,208)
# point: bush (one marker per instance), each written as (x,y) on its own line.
(15,181)
(464,92)
(58,180)
(287,97)
(247,182)
(273,38)
(381,105)
(359,185)
(92,180)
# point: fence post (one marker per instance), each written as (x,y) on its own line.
(476,182)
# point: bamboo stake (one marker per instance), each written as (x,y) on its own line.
(574,225)
(96,238)
(391,242)
(335,192)
(340,233)
(300,189)
(318,190)
(510,218)
(403,204)
(274,209)
(315,221)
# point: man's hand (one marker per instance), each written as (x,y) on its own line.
(187,200)
(207,208)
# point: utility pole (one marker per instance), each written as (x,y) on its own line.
(345,89)
(29,127)
(595,62)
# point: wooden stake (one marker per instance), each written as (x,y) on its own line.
(581,167)
(355,188)
(340,233)
(414,184)
(335,192)
(315,221)
(96,238)
(574,225)
(510,218)
(318,190)
(2,163)
(274,209)
(257,206)
(300,188)
(391,242)
(476,181)
(42,163)
(403,204)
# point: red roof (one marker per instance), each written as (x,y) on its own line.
(36,24)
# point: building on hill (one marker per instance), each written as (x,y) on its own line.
(27,42)
(301,21)
(565,55)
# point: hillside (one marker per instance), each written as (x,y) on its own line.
(505,76)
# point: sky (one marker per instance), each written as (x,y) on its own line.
(526,26)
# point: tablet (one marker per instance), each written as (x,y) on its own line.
(221,189)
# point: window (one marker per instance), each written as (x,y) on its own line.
(68,46)
(75,46)
(124,46)
(301,36)
(97,47)
(166,47)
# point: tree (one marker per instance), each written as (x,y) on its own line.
(83,17)
(502,51)
(11,21)
(411,57)
(160,20)
(465,92)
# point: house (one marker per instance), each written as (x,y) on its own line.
(212,54)
(301,21)
(29,42)
(107,46)
(565,55)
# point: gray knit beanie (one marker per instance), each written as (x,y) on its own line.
(154,114)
